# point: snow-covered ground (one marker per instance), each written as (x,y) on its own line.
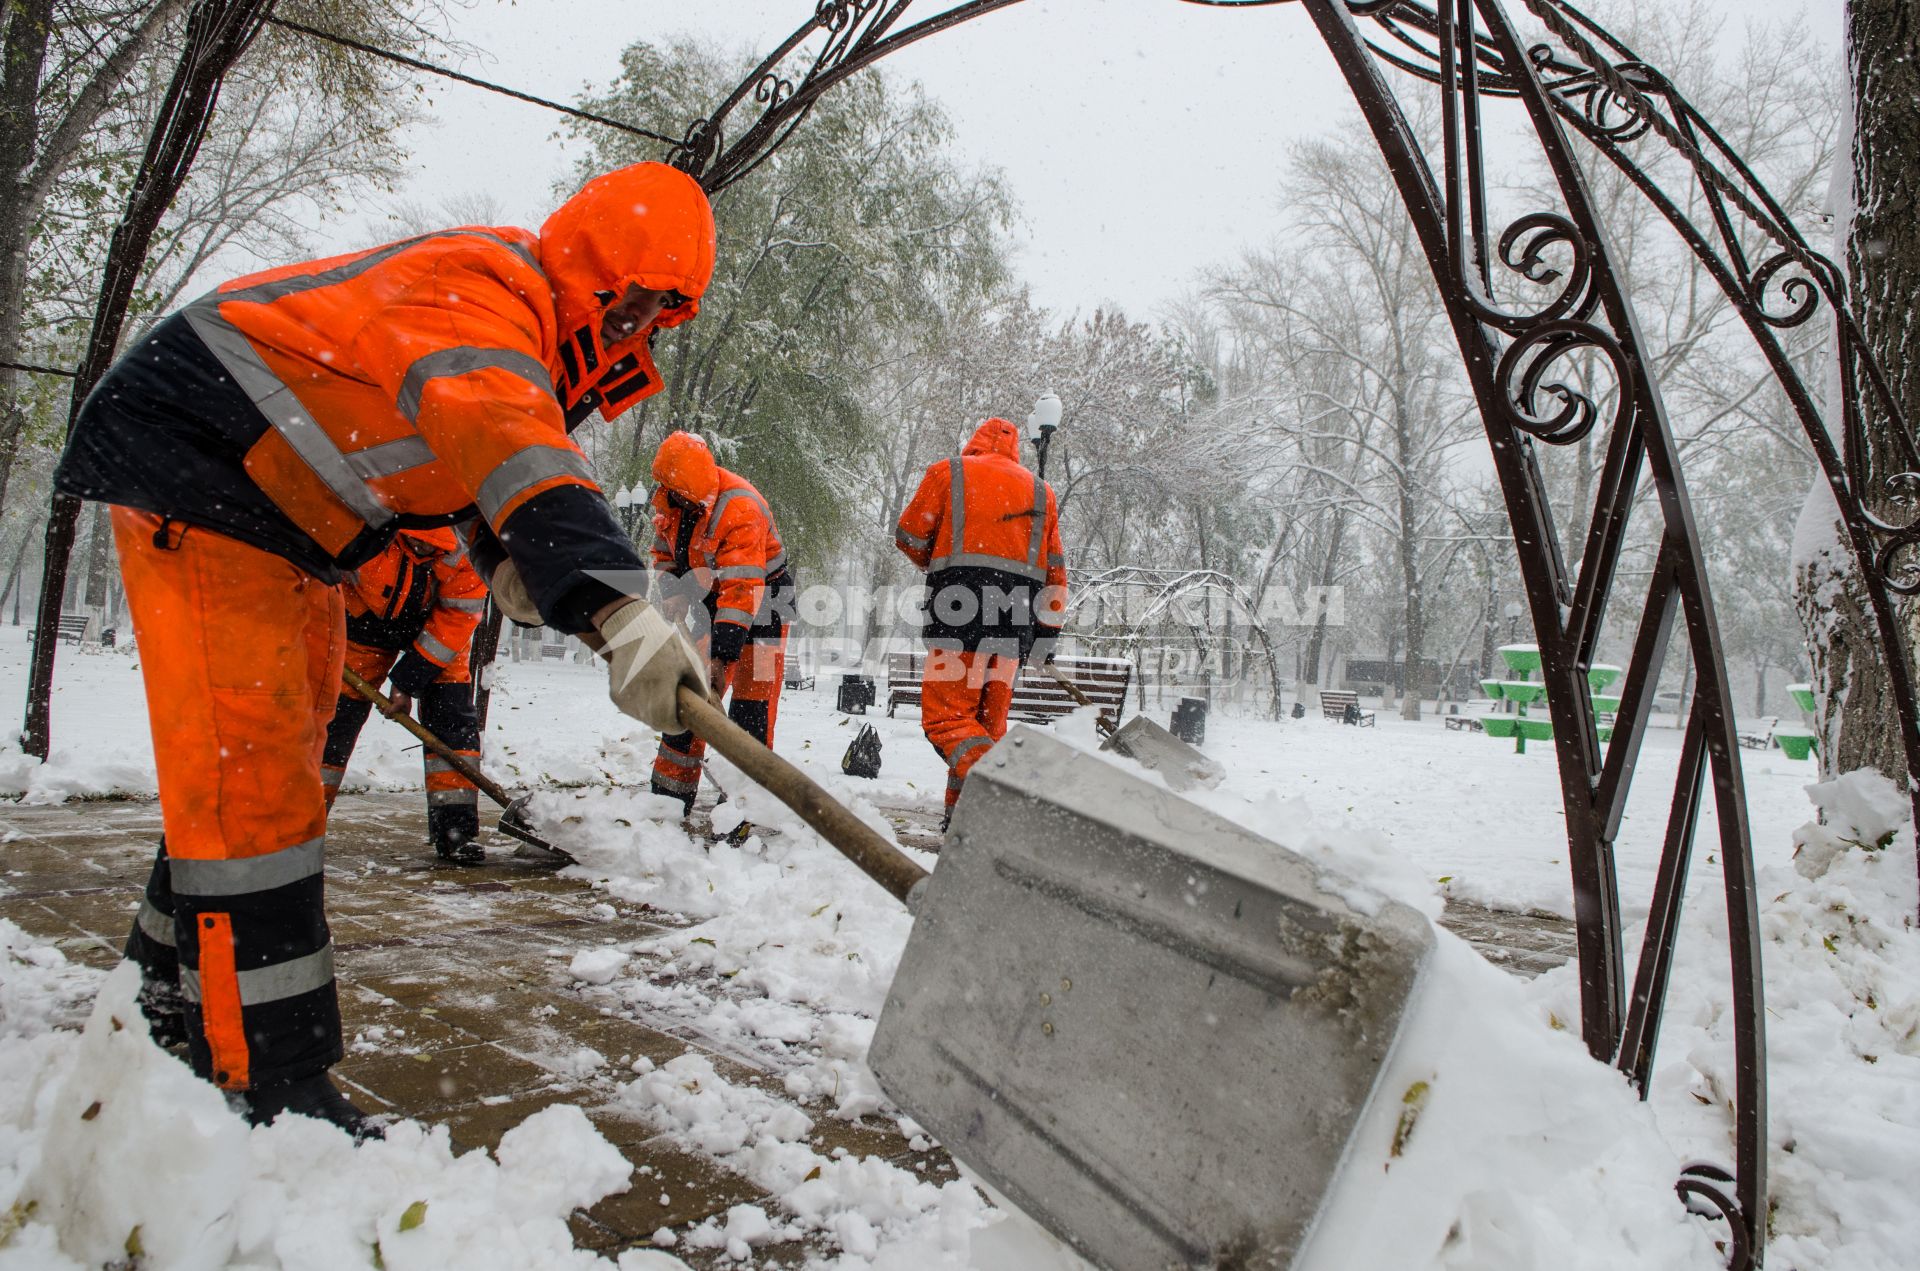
(1524,1153)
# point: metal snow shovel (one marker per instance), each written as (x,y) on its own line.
(1149,745)
(1152,1029)
(513,821)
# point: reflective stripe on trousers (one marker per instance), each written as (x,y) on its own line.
(964,700)
(240,653)
(756,679)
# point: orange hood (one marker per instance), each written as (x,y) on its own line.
(441,540)
(646,224)
(684,465)
(994,437)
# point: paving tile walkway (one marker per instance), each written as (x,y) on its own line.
(458,1006)
(454,991)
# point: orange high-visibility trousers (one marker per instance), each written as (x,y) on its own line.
(756,679)
(241,655)
(459,729)
(445,709)
(964,699)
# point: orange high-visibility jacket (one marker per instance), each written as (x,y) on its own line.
(421,589)
(734,550)
(411,383)
(983,517)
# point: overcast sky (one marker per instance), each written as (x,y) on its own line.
(1143,138)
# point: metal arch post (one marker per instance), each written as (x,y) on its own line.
(1508,355)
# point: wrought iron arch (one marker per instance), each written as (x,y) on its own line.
(1591,87)
(1167,596)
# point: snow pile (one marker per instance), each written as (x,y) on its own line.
(113,1153)
(1842,959)
(862,1203)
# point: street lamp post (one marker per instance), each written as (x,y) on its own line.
(628,503)
(1040,425)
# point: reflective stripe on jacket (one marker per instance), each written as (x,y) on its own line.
(414,379)
(982,509)
(423,591)
(734,549)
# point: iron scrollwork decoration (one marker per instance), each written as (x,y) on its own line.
(857,34)
(1471,52)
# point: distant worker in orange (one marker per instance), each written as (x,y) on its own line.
(987,532)
(715,541)
(411,613)
(276,434)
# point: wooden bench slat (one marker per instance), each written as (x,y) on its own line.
(1036,694)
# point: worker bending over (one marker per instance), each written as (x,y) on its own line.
(411,614)
(716,545)
(276,434)
(987,532)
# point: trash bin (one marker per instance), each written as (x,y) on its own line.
(856,694)
(1190,720)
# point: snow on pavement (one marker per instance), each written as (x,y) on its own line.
(1522,1151)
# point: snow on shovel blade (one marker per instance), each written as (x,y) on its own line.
(1151,746)
(1154,1031)
(533,849)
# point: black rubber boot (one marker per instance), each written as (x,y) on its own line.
(686,800)
(166,1012)
(455,831)
(314,1096)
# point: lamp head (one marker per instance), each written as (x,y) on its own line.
(1044,419)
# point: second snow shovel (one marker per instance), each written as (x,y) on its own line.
(513,821)
(1148,744)
(1151,1028)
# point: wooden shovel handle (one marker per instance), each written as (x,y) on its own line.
(855,839)
(460,763)
(1104,722)
(882,861)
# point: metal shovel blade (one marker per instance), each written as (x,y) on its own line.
(1151,1029)
(533,848)
(1151,746)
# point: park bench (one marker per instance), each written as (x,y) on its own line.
(1344,706)
(1759,734)
(1466,722)
(72,629)
(797,677)
(1037,698)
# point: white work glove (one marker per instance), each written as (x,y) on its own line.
(648,659)
(512,597)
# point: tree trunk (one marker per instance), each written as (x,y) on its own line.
(1329,570)
(27,534)
(1878,228)
(22,62)
(1412,689)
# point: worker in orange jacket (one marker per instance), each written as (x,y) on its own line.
(987,532)
(411,613)
(274,435)
(715,541)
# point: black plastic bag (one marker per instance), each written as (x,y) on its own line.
(863,754)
